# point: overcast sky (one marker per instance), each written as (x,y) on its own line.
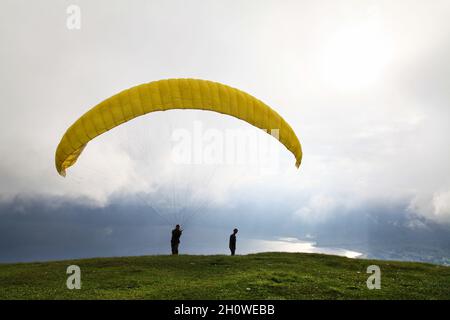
(364,84)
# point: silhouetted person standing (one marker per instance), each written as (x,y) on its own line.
(232,244)
(175,241)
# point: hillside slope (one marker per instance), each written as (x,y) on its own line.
(257,276)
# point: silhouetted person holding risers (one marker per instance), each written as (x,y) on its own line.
(175,241)
(233,242)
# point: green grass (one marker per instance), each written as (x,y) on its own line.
(257,276)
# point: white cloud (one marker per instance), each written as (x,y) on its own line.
(318,208)
(435,206)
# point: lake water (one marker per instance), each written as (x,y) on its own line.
(291,245)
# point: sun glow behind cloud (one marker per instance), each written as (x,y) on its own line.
(354,57)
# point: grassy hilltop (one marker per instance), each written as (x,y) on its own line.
(256,276)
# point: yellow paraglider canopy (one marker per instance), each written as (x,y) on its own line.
(166,95)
